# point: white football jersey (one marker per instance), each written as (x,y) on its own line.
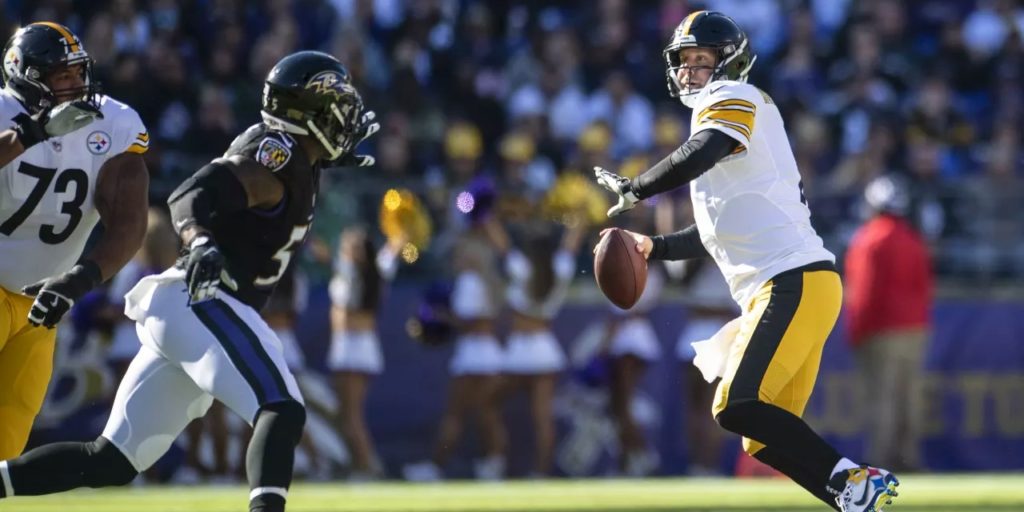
(46,194)
(750,207)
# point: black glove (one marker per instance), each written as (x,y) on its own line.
(54,122)
(204,270)
(55,295)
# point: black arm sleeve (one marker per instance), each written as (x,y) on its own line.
(213,190)
(698,154)
(681,245)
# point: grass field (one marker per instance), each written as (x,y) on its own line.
(947,493)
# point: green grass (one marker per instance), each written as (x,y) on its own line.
(947,493)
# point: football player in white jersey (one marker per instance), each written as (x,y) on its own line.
(752,219)
(70,158)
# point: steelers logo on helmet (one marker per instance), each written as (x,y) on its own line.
(13,61)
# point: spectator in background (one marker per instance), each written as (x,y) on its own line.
(476,362)
(888,307)
(357,288)
(628,114)
(525,178)
(709,306)
(632,345)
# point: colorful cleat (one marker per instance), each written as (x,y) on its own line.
(864,489)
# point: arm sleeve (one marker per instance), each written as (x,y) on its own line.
(681,245)
(698,154)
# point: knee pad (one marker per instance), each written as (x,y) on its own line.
(107,465)
(286,418)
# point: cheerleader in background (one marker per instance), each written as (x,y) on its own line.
(710,307)
(356,289)
(476,362)
(539,276)
(632,345)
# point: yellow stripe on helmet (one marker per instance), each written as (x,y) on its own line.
(68,36)
(689,21)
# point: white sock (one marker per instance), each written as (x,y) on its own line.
(5,476)
(843,465)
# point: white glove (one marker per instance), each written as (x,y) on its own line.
(70,116)
(620,186)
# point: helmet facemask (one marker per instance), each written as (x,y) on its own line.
(337,128)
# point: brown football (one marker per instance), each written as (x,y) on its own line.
(621,270)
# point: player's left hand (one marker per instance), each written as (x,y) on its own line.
(55,295)
(618,185)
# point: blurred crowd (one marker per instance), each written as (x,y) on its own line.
(526,92)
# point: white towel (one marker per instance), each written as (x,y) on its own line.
(136,301)
(713,353)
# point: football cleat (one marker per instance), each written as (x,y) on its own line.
(864,489)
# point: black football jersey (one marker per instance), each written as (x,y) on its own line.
(259,245)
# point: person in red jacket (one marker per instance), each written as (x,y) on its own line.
(888,303)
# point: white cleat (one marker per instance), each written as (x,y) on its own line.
(864,489)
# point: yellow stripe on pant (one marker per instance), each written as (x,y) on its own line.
(26,363)
(782,334)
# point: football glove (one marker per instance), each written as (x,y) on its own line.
(618,185)
(54,122)
(54,296)
(204,270)
(368,126)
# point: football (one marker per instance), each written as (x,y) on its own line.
(620,270)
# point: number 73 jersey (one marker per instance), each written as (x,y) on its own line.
(47,194)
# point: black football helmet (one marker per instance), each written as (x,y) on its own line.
(708,29)
(311,93)
(35,51)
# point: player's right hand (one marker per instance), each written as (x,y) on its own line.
(54,122)
(644,244)
(204,270)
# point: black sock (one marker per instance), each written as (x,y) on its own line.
(815,483)
(271,454)
(61,467)
(784,431)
